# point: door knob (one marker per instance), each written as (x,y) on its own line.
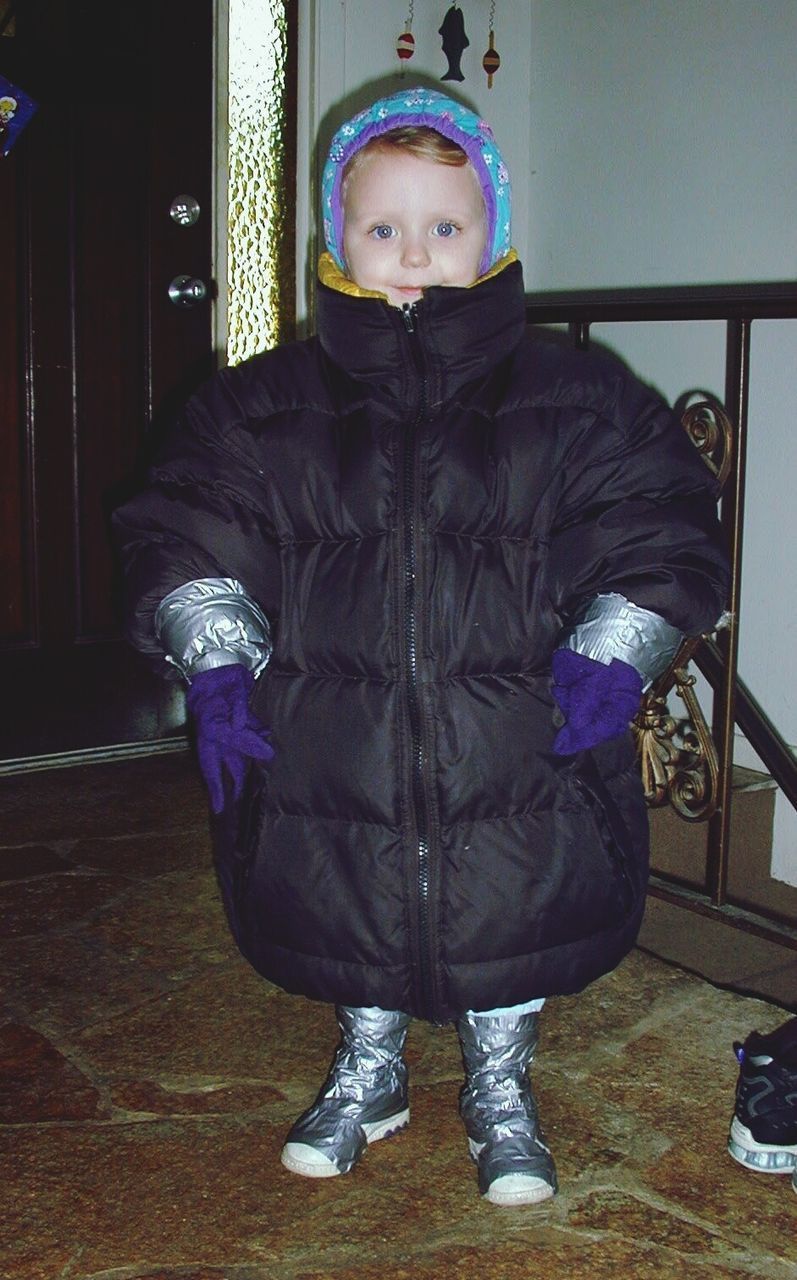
(187,291)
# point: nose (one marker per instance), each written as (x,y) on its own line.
(415,252)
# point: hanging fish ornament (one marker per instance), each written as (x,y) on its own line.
(405,45)
(455,42)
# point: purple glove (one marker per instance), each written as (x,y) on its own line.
(227,734)
(598,701)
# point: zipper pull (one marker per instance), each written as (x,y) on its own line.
(408,312)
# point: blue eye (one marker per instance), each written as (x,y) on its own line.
(383,231)
(445,229)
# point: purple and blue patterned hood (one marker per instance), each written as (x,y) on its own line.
(416,107)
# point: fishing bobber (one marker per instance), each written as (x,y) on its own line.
(491,62)
(405,46)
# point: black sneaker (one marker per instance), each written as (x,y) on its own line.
(763,1132)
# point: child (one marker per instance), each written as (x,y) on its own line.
(427,513)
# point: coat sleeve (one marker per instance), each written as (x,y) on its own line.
(636,513)
(203,514)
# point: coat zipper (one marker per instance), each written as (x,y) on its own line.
(411,631)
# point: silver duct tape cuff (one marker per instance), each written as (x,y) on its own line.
(612,627)
(212,622)
(495,1048)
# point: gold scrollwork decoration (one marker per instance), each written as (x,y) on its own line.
(709,428)
(677,756)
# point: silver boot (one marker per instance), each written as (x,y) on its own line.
(499,1111)
(364,1097)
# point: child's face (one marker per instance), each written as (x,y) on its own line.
(410,223)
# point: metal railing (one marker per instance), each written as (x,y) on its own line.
(738,306)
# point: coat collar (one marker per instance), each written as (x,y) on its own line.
(460,334)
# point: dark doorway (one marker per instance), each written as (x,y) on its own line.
(95,356)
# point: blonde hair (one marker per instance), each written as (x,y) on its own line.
(414,140)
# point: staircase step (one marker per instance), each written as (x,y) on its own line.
(752,780)
(710,947)
(678,848)
(720,953)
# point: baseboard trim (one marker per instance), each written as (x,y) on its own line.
(93,755)
(782,932)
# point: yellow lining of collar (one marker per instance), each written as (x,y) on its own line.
(330,274)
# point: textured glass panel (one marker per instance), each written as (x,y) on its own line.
(261,206)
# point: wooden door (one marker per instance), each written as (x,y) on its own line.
(94,357)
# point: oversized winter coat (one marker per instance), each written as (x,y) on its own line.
(419,502)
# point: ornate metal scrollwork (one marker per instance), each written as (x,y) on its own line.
(709,428)
(677,756)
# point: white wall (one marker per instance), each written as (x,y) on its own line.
(665,152)
(649,143)
(664,140)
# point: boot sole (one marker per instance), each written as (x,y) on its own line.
(517,1188)
(291,1154)
(762,1157)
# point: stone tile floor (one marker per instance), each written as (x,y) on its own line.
(147,1078)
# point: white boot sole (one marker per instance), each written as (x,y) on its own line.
(513,1188)
(305,1160)
(761,1157)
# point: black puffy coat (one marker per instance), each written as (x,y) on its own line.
(417,513)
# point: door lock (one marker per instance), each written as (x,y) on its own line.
(184,210)
(187,291)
